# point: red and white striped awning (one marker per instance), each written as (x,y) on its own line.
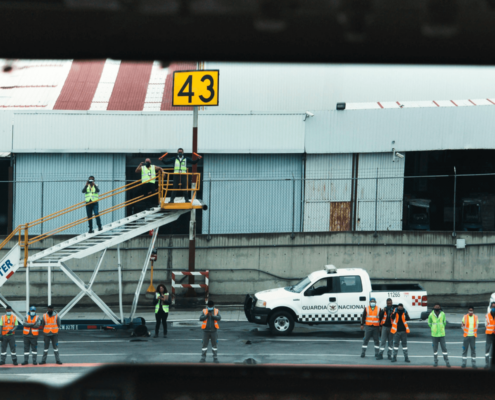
(88,85)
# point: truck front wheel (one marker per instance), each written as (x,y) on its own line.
(281,323)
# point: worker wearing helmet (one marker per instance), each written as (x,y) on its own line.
(31,333)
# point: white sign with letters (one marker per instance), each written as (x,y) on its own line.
(9,264)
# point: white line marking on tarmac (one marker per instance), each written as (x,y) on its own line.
(347,340)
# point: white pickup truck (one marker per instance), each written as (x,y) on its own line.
(329,296)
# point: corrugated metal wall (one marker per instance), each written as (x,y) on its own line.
(47,183)
(252,193)
(6,119)
(412,129)
(320,195)
(390,192)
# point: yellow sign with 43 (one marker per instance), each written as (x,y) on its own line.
(195,88)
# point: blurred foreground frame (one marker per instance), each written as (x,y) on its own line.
(347,31)
(240,382)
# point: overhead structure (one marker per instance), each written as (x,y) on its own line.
(81,246)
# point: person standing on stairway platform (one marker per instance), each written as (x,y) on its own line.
(8,323)
(162,304)
(210,317)
(31,332)
(148,171)
(180,164)
(51,325)
(91,191)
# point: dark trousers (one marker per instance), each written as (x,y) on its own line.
(91,208)
(161,316)
(182,180)
(54,341)
(30,343)
(9,340)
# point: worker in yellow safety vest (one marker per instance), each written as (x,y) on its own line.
(180,164)
(148,173)
(210,317)
(51,326)
(370,323)
(8,323)
(490,333)
(470,327)
(91,197)
(31,332)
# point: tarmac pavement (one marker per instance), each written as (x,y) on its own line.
(239,342)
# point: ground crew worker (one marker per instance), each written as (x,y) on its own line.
(180,164)
(91,196)
(490,333)
(8,322)
(148,171)
(470,327)
(400,329)
(437,322)
(386,326)
(210,317)
(31,333)
(50,325)
(370,322)
(162,304)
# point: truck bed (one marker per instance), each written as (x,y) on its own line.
(396,287)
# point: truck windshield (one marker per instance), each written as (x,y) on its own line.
(300,286)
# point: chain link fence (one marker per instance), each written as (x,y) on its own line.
(374,201)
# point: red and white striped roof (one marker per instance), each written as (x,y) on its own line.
(420,104)
(88,85)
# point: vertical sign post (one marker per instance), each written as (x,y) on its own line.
(194,88)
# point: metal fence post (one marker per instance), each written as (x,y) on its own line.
(376,205)
(293,205)
(455,189)
(208,238)
(42,197)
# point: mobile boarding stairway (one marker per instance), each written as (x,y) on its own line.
(84,245)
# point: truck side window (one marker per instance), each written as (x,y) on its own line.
(321,287)
(350,284)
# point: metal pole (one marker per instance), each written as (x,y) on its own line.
(49,285)
(208,238)
(192,224)
(293,206)
(120,285)
(27,290)
(42,191)
(455,189)
(376,204)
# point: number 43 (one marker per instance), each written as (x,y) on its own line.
(186,89)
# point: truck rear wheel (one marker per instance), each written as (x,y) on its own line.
(281,323)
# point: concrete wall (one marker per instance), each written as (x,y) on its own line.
(238,262)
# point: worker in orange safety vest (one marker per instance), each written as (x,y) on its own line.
(370,323)
(51,326)
(470,327)
(8,323)
(490,333)
(31,333)
(210,317)
(400,330)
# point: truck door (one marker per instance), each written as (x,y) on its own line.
(349,297)
(333,299)
(314,302)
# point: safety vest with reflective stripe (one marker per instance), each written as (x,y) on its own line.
(8,323)
(34,330)
(148,173)
(50,324)
(467,328)
(157,307)
(490,324)
(384,319)
(372,317)
(437,324)
(180,166)
(394,323)
(91,194)
(205,322)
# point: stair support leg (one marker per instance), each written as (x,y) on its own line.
(143,275)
